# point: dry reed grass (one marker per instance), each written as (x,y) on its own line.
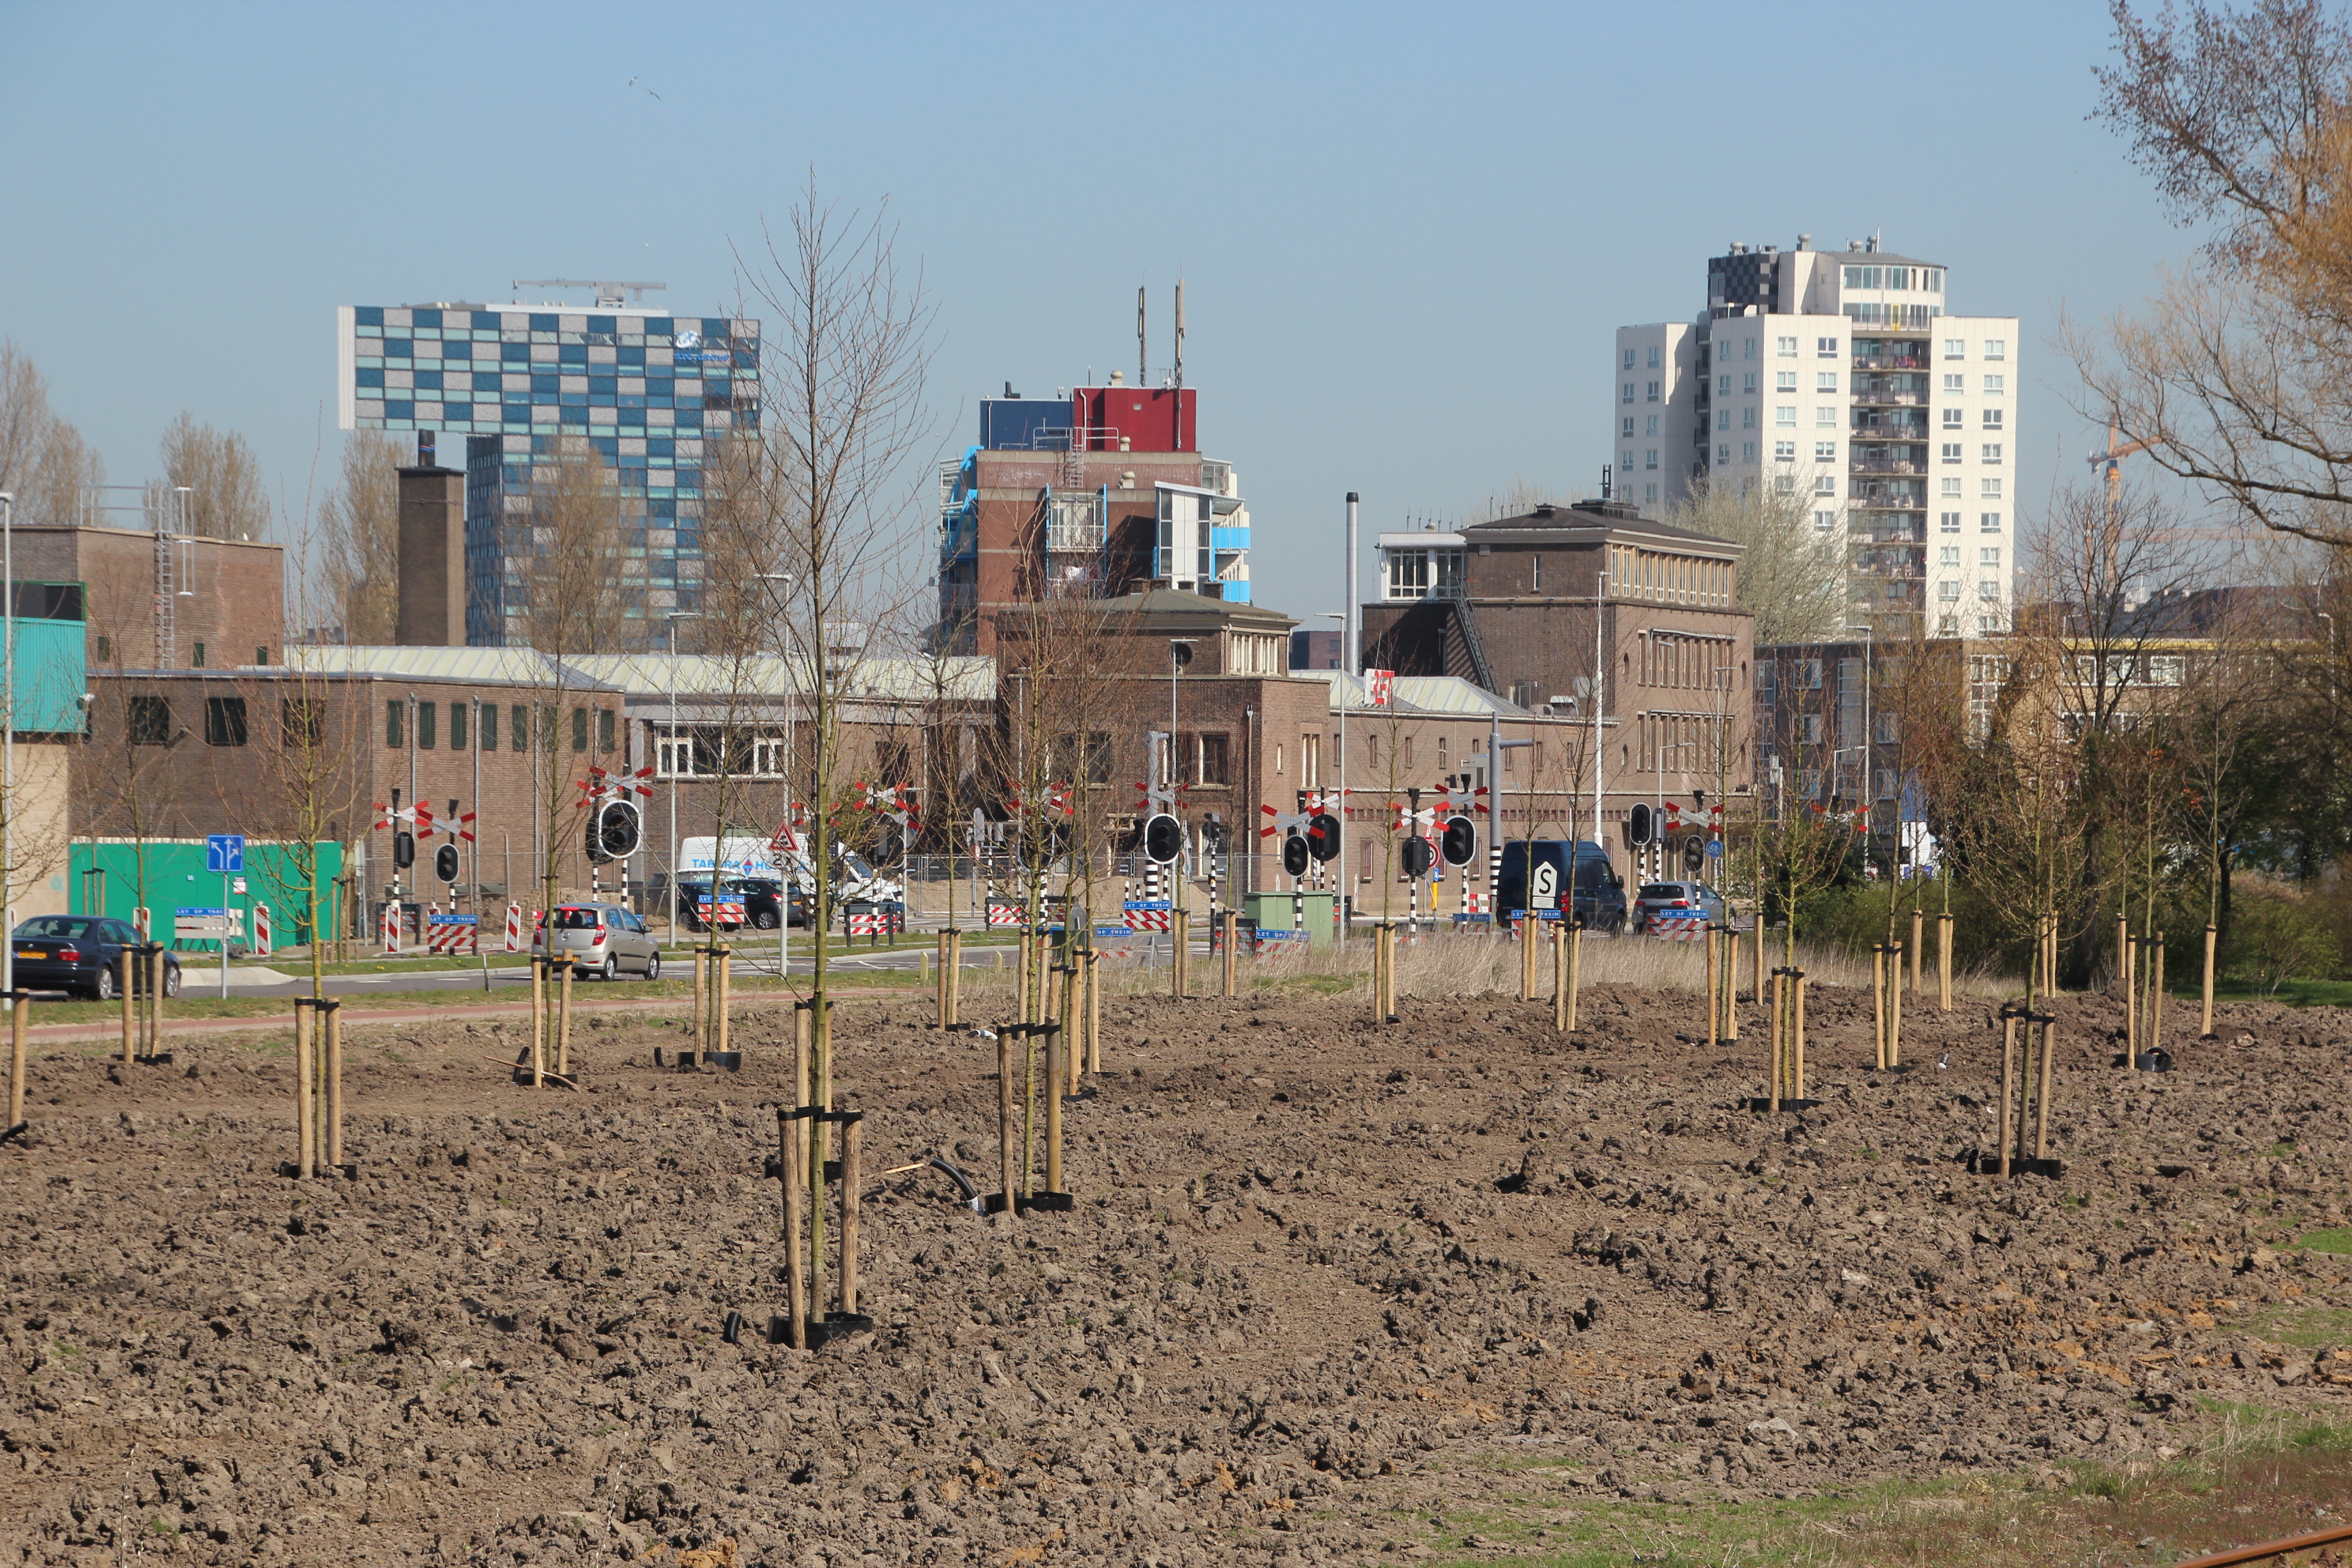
(1444,964)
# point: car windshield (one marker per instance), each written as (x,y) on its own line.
(54,928)
(857,865)
(1664,890)
(578,918)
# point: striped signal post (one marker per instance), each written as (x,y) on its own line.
(261,931)
(390,926)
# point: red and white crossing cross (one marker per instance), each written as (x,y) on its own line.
(422,815)
(462,826)
(1283,822)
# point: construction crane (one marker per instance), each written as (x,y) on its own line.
(2112,460)
(607,294)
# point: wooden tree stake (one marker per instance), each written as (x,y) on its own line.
(1878,1000)
(1054,1075)
(334,1076)
(306,1089)
(2205,1027)
(539,978)
(1895,1005)
(2042,1099)
(1944,960)
(726,995)
(852,1176)
(1005,1173)
(125,961)
(789,1133)
(563,1026)
(1919,922)
(2007,1081)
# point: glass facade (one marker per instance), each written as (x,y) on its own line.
(649,392)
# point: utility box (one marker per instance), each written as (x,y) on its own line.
(1279,911)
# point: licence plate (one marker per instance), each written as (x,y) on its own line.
(31,952)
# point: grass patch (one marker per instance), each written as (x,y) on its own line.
(2337,1240)
(2290,994)
(2251,1474)
(2305,1326)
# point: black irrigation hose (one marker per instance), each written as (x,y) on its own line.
(971,1198)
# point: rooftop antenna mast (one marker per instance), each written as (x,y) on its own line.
(1180,333)
(608,294)
(1140,377)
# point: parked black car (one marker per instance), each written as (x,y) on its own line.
(761,898)
(81,955)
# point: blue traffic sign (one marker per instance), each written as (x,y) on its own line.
(1715,848)
(225,852)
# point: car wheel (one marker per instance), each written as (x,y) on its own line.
(611,971)
(171,980)
(652,966)
(763,921)
(103,990)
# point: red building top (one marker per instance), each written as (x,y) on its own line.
(1148,419)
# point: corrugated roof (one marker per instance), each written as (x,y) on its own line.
(499,666)
(958,679)
(1421,694)
(961,678)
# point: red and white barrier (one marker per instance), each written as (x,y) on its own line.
(451,934)
(261,931)
(390,928)
(877,922)
(144,924)
(1003,914)
(1151,914)
(515,939)
(1676,930)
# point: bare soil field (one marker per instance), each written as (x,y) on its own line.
(1453,1288)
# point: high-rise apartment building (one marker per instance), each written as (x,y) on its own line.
(648,391)
(1839,376)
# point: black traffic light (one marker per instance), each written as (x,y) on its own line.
(1323,835)
(1417,856)
(1460,841)
(404,848)
(1694,854)
(1163,838)
(1637,823)
(613,835)
(1294,855)
(444,862)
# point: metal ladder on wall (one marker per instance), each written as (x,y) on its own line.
(167,598)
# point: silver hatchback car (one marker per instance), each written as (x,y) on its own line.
(601,940)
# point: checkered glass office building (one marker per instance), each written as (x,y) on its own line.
(650,391)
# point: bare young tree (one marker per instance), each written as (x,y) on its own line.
(43,462)
(843,418)
(1792,573)
(359,535)
(2234,377)
(224,478)
(569,582)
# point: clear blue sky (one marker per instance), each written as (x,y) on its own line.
(1407,233)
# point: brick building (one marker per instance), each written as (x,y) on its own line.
(1587,613)
(1101,494)
(165,601)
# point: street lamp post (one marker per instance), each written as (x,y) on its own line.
(669,766)
(1340,854)
(786,881)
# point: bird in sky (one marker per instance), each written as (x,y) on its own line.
(649,91)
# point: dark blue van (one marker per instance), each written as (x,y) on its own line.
(1581,867)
